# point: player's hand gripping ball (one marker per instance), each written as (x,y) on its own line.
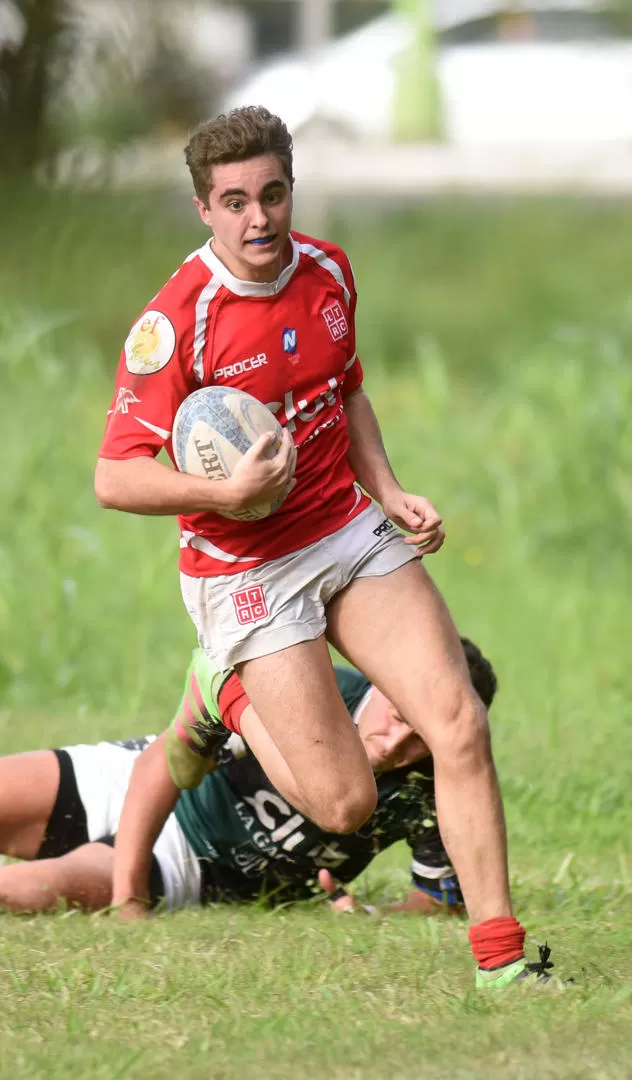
(213,429)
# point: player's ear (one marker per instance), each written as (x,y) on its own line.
(203,211)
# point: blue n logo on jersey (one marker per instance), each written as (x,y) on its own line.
(289,340)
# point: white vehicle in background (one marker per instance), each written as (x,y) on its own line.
(494,93)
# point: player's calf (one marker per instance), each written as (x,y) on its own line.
(81,879)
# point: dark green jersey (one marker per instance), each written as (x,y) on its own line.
(252,842)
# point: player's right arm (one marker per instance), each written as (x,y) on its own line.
(161,363)
(142,485)
(151,796)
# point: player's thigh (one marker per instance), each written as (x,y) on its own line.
(29,784)
(239,715)
(294,693)
(397,629)
(275,766)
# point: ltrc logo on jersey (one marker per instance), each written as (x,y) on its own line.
(335,320)
(289,340)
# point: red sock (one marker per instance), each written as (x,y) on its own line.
(232,701)
(497,942)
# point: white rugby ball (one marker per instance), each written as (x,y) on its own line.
(213,429)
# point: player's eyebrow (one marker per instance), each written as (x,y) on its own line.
(271,185)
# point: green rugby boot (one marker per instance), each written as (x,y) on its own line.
(520,974)
(196,733)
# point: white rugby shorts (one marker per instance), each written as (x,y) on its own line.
(239,617)
(102,775)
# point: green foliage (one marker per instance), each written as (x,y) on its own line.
(71,577)
(549,449)
(246,994)
(489,281)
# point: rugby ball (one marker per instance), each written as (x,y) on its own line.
(213,429)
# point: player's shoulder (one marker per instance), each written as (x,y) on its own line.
(320,250)
(170,317)
(185,284)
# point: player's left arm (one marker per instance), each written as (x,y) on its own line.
(368,459)
(367,455)
(150,798)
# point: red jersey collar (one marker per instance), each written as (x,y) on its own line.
(249,288)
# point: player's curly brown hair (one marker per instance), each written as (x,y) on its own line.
(482,673)
(236,136)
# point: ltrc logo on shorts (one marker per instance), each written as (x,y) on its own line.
(250,604)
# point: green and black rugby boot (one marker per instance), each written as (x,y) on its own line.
(196,734)
(520,974)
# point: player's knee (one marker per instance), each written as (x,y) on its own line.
(348,811)
(463,737)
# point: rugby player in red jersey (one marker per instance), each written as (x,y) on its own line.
(272,312)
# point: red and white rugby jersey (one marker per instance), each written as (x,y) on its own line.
(291,344)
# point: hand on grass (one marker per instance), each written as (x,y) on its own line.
(344,901)
(329,885)
(132,909)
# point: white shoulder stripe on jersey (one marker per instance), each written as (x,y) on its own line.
(200,543)
(323,259)
(201,317)
(351,362)
(153,427)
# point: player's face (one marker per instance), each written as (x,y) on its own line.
(250,213)
(388,740)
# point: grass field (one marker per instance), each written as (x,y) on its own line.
(496,342)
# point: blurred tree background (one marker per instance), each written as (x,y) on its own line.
(38,39)
(80,73)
